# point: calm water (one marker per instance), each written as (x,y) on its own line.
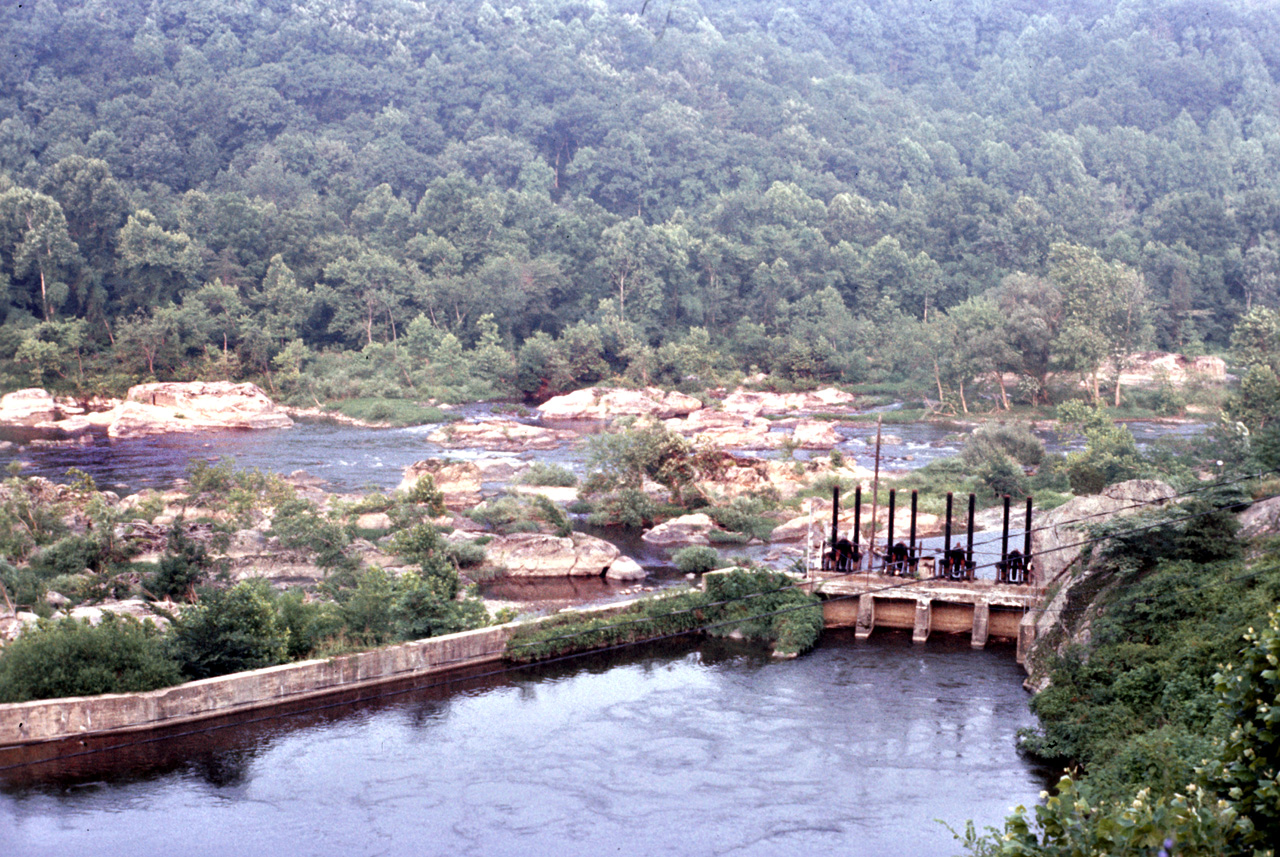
(682,749)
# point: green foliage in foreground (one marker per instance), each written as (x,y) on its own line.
(760,605)
(73,658)
(1229,806)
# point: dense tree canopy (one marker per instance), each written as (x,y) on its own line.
(255,189)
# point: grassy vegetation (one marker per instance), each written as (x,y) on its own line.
(391,412)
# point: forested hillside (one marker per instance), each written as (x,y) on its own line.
(329,197)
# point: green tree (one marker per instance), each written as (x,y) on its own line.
(1104,306)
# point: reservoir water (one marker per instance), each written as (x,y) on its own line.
(681,748)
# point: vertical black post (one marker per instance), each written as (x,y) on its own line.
(1026,544)
(857,523)
(1004,542)
(911,547)
(835,516)
(946,539)
(968,554)
(888,545)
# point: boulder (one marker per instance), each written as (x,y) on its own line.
(606,403)
(753,403)
(459,481)
(681,531)
(500,469)
(166,408)
(814,435)
(1055,541)
(625,568)
(504,435)
(28,407)
(543,555)
(1261,519)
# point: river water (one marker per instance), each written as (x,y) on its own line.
(681,748)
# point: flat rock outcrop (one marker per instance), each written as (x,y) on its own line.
(543,555)
(681,531)
(505,435)
(167,408)
(458,481)
(606,403)
(753,403)
(28,407)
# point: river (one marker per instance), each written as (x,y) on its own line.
(357,459)
(681,748)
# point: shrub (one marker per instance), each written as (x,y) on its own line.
(230,631)
(184,563)
(540,473)
(73,658)
(696,559)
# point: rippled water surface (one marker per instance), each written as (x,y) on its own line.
(854,749)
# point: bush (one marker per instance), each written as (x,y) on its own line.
(555,475)
(230,631)
(696,559)
(1014,440)
(184,563)
(73,658)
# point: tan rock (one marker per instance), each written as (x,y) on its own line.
(459,481)
(814,435)
(625,568)
(1144,368)
(196,406)
(753,403)
(28,407)
(500,434)
(374,521)
(606,403)
(681,531)
(543,555)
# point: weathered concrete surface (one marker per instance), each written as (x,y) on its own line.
(47,720)
(981,608)
(56,719)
